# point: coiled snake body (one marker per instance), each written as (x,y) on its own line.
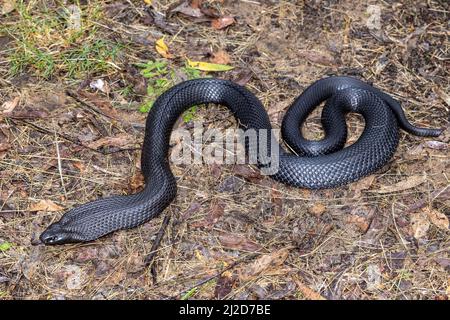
(318,164)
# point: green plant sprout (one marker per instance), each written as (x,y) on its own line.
(160,78)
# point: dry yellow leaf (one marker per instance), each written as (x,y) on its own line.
(45,205)
(437,218)
(148,2)
(199,255)
(162,48)
(206,66)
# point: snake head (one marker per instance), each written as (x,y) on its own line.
(56,234)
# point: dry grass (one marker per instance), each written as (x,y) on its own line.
(347,243)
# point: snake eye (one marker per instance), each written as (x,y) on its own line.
(50,239)
(54,235)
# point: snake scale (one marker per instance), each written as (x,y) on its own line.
(315,164)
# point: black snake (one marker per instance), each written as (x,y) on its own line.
(316,164)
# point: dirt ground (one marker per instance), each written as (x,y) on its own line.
(73,102)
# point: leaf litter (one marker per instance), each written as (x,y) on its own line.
(259,215)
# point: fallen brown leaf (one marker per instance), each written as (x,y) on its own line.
(4,146)
(117,141)
(135,262)
(264,264)
(103,104)
(439,194)
(79,165)
(244,77)
(409,183)
(187,9)
(220,57)
(247,172)
(45,205)
(419,224)
(230,184)
(8,6)
(224,285)
(361,222)
(196,4)
(277,199)
(114,276)
(318,57)
(436,217)
(28,114)
(9,106)
(216,170)
(307,292)
(411,40)
(86,254)
(363,184)
(235,242)
(194,207)
(136,181)
(215,212)
(317,209)
(159,20)
(222,22)
(47,101)
(377,227)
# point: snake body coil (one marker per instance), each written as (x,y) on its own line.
(318,164)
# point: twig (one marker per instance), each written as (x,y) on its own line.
(149,260)
(403,241)
(90,106)
(441,193)
(70,139)
(96,111)
(58,155)
(231,266)
(59,134)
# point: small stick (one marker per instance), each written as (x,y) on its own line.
(74,141)
(90,106)
(149,260)
(97,111)
(231,266)
(58,155)
(61,135)
(436,194)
